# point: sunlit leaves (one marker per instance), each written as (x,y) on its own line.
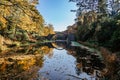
(20,66)
(23,14)
(26,63)
(48,29)
(2,22)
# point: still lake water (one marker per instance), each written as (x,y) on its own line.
(62,66)
(48,63)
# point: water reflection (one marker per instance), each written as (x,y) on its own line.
(50,61)
(20,67)
(21,63)
(72,63)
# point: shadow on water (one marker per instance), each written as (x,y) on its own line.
(50,61)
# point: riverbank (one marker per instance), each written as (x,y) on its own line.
(112,61)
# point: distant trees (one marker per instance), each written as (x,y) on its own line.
(48,29)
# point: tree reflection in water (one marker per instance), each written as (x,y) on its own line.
(87,63)
(24,62)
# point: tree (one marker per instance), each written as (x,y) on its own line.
(48,29)
(102,6)
(51,29)
(21,13)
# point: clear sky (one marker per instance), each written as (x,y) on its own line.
(57,12)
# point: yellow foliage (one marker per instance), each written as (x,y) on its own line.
(46,49)
(27,63)
(2,22)
(48,30)
(23,14)
(20,64)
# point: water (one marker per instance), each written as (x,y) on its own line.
(58,66)
(48,63)
(62,66)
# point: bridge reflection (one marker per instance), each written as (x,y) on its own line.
(86,61)
(57,44)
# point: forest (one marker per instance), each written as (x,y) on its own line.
(98,25)
(23,29)
(20,22)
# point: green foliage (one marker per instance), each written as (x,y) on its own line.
(85,28)
(115,41)
(105,31)
(117,17)
(1,24)
(108,26)
(102,6)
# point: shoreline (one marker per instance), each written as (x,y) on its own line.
(111,60)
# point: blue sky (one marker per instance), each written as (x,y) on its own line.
(57,12)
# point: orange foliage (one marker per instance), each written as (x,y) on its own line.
(110,61)
(108,56)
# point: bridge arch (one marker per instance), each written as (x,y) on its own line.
(59,36)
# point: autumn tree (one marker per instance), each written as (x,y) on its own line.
(48,29)
(21,13)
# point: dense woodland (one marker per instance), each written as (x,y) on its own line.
(20,22)
(97,26)
(21,27)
